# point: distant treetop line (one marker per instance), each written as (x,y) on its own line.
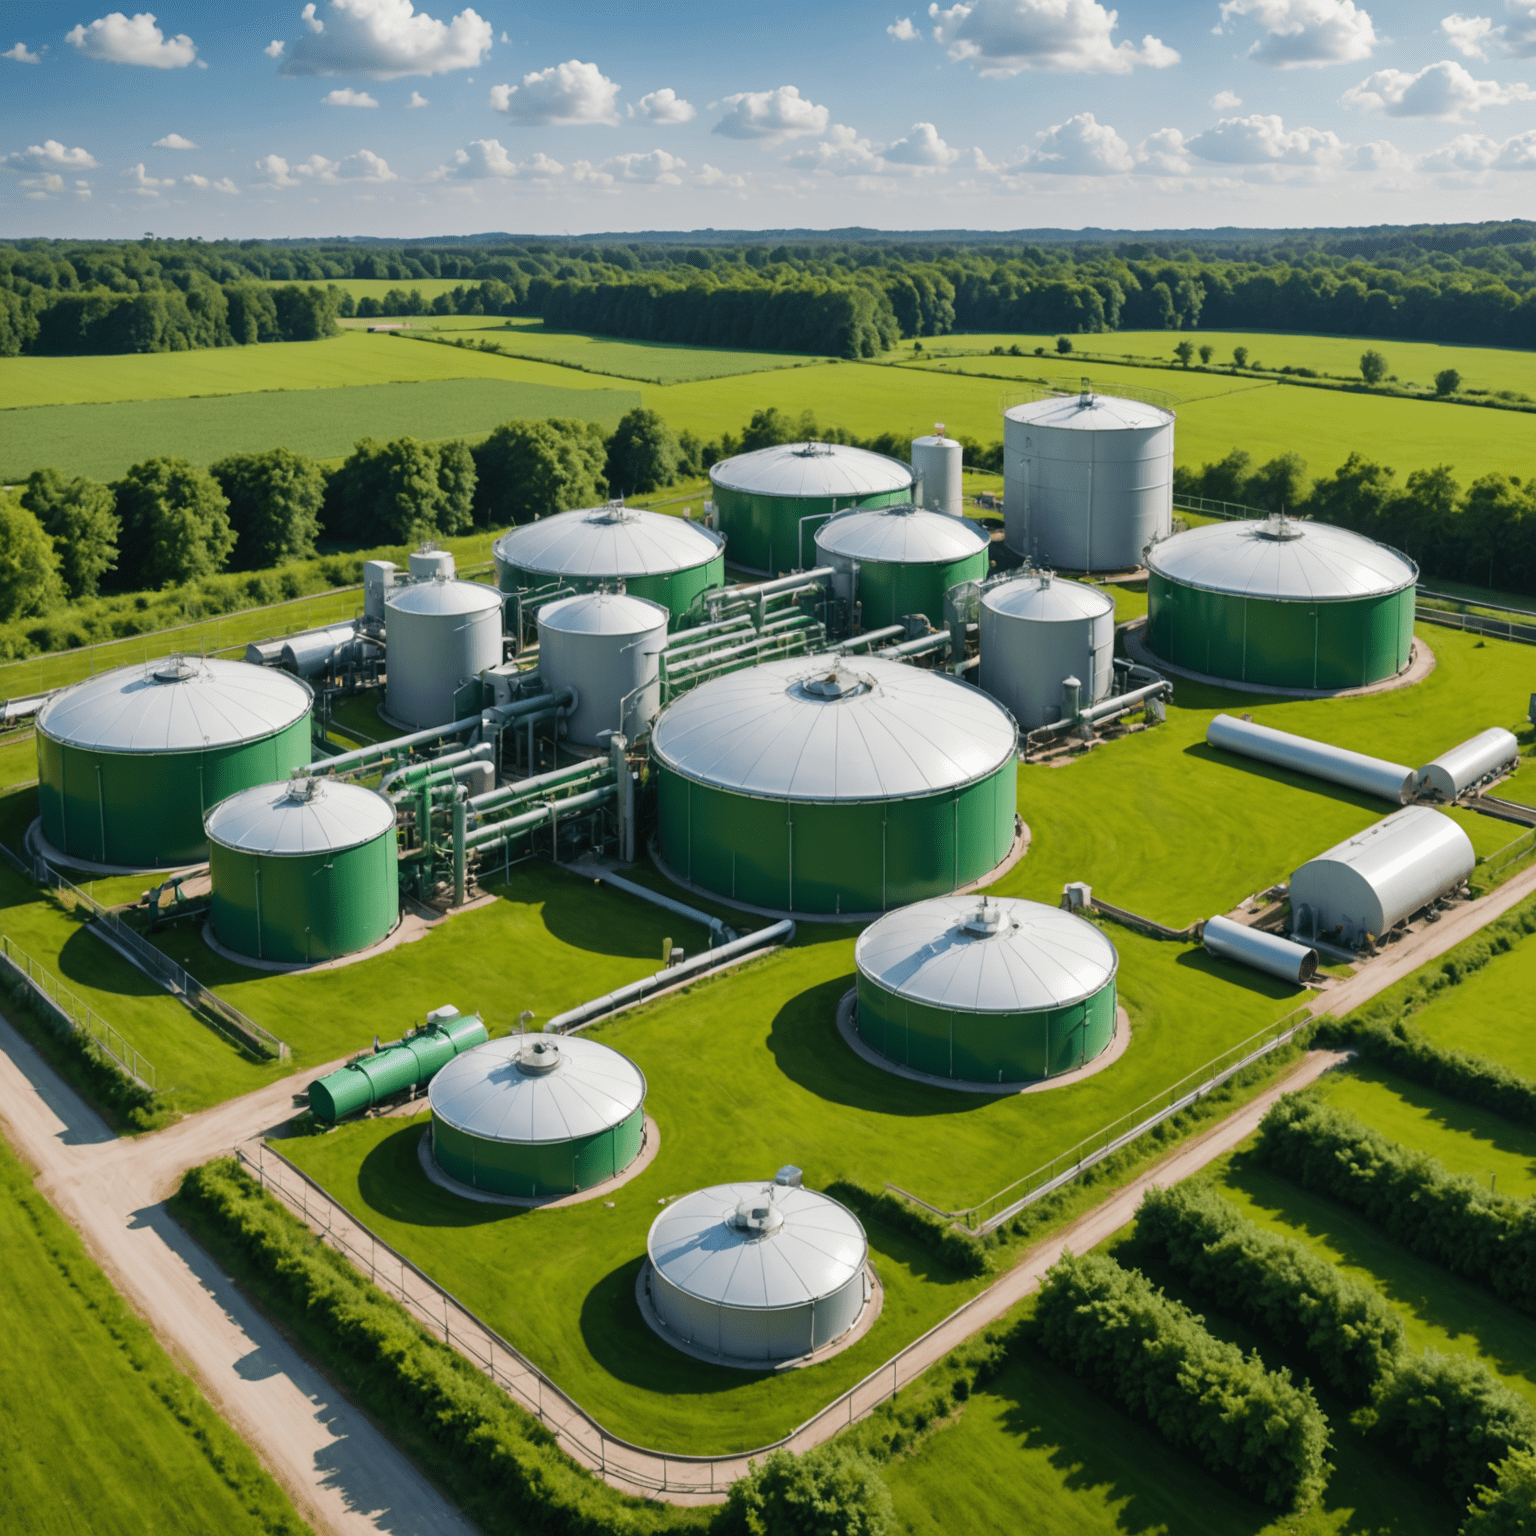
(856,297)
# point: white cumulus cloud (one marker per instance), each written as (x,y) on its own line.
(657,167)
(1164,153)
(1474,152)
(486,160)
(1382,158)
(22,54)
(845,152)
(1265,140)
(347,97)
(174,141)
(1473,35)
(416,102)
(363,166)
(1446,91)
(1225,101)
(50,155)
(39,188)
(1081,146)
(274,49)
(1299,33)
(1518,35)
(202,183)
(119,39)
(1006,37)
(572,93)
(275,172)
(1468,34)
(772,115)
(144,184)
(903,31)
(664,106)
(921,149)
(384,39)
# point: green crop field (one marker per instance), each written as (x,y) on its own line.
(1489,1013)
(102,1431)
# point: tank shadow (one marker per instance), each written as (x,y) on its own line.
(1239,975)
(392,1184)
(1209,754)
(87,960)
(579,911)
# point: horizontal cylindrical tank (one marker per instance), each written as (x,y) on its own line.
(1354,770)
(1379,878)
(1480,757)
(1266,952)
(440,636)
(669,560)
(607,646)
(315,651)
(129,761)
(303,870)
(936,464)
(823,784)
(986,991)
(772,501)
(1281,602)
(1037,630)
(1087,480)
(407,1064)
(538,1115)
(757,1273)
(906,559)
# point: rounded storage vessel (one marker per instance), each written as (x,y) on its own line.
(303,871)
(1088,480)
(537,1115)
(1283,603)
(937,463)
(756,1273)
(605,645)
(986,990)
(900,559)
(439,636)
(396,1068)
(837,786)
(128,762)
(669,560)
(772,501)
(1037,631)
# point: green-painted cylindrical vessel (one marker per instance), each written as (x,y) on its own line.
(835,786)
(303,871)
(1281,603)
(995,991)
(535,1116)
(129,761)
(407,1064)
(771,501)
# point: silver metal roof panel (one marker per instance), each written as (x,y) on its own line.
(608,542)
(1094,413)
(299,816)
(834,728)
(179,704)
(901,535)
(603,613)
(440,595)
(812,470)
(1046,599)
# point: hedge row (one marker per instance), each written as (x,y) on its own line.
(1153,1356)
(1509,1507)
(1452,1219)
(955,1249)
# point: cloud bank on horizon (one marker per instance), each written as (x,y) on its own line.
(984,113)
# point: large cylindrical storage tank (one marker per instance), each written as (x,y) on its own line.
(607,646)
(669,560)
(438,635)
(986,991)
(936,464)
(757,1274)
(771,501)
(128,762)
(1087,480)
(820,784)
(537,1115)
(303,871)
(1283,603)
(1037,631)
(907,558)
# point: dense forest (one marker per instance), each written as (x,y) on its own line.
(1472,284)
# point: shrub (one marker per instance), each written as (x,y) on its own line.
(1373,366)
(833,1490)
(1509,1507)
(29,568)
(1447,381)
(961,1253)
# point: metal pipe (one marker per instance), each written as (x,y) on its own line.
(362,756)
(870,636)
(460,852)
(717,929)
(20,709)
(497,831)
(1368,775)
(1120,702)
(525,787)
(417,772)
(780,584)
(690,639)
(1266,952)
(917,647)
(711,657)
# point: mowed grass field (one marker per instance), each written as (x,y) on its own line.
(1490,1013)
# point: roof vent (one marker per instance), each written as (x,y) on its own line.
(814,451)
(304,791)
(759,1215)
(542,1056)
(1279,527)
(615,512)
(987,921)
(834,685)
(176,669)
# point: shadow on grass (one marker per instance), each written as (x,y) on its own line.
(1222,759)
(391,1183)
(1236,975)
(88,960)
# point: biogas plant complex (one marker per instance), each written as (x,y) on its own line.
(841,703)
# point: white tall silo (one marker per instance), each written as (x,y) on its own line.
(607,646)
(1037,630)
(1088,480)
(438,635)
(936,464)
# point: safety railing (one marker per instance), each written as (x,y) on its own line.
(1477,623)
(1204,506)
(1511,853)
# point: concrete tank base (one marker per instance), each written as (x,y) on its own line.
(39,847)
(1420,664)
(874,1303)
(399,934)
(848,1028)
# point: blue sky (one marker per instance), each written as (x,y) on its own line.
(386,117)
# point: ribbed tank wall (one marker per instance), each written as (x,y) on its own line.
(430,657)
(835,857)
(297,909)
(1024,662)
(758,1333)
(145,809)
(674,590)
(1345,644)
(778,533)
(985,1047)
(891,589)
(537,1168)
(362,1083)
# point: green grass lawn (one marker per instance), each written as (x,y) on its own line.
(102,1432)
(1489,1014)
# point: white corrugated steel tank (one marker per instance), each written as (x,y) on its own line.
(438,634)
(1037,630)
(1088,480)
(1380,877)
(605,645)
(424,564)
(757,1272)
(1481,757)
(936,464)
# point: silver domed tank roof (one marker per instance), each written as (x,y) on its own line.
(986,955)
(299,816)
(537,1088)
(1090,413)
(1282,558)
(709,1245)
(812,470)
(603,613)
(608,542)
(441,595)
(1046,599)
(178,704)
(831,728)
(902,534)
